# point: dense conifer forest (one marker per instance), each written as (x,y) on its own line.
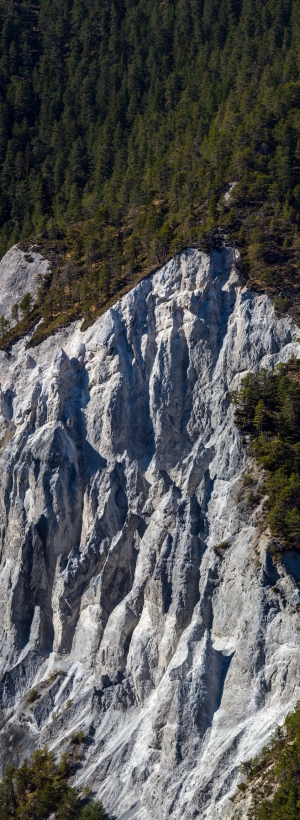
(40,788)
(122,122)
(268,415)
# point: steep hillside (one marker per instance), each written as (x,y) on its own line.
(130,129)
(149,403)
(272,778)
(140,604)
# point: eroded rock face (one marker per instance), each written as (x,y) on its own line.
(119,471)
(20,273)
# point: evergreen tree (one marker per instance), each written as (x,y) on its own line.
(39,788)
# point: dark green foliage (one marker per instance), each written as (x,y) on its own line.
(268,411)
(4,326)
(93,811)
(273,777)
(15,313)
(26,305)
(121,124)
(39,788)
(33,695)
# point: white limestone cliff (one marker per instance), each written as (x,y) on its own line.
(119,473)
(20,273)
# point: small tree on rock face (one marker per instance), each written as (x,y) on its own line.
(4,325)
(15,313)
(26,305)
(260,415)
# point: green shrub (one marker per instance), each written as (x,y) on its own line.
(77,738)
(55,674)
(33,695)
(248,480)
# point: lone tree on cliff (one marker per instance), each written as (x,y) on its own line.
(26,305)
(4,326)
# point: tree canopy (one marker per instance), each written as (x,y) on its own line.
(124,122)
(40,788)
(268,413)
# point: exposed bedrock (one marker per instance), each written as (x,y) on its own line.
(120,468)
(20,273)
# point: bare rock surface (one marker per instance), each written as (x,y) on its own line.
(18,272)
(120,465)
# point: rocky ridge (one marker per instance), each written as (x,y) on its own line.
(120,468)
